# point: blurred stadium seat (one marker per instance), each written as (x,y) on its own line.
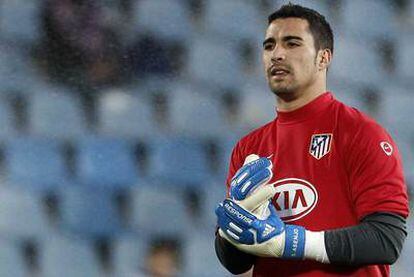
(89,211)
(178,161)
(202,263)
(7,119)
(106,162)
(35,163)
(214,62)
(129,255)
(175,18)
(22,215)
(159,211)
(55,113)
(405,57)
(27,27)
(397,110)
(197,112)
(69,257)
(117,105)
(366,19)
(255,107)
(365,65)
(11,259)
(224,18)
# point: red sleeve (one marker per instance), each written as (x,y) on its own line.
(376,174)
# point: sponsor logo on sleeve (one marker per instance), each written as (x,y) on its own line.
(387,148)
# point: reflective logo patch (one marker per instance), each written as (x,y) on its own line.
(320,145)
(386,147)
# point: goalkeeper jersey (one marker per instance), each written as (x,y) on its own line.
(332,165)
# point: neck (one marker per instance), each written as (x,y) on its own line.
(300,98)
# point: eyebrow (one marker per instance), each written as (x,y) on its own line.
(286,38)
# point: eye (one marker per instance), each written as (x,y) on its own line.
(291,44)
(268,46)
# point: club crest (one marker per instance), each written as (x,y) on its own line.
(320,145)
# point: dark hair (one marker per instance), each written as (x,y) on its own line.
(318,26)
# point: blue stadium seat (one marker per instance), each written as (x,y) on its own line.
(234,19)
(214,62)
(56,113)
(348,93)
(356,61)
(126,115)
(69,257)
(27,27)
(257,106)
(404,56)
(106,162)
(16,74)
(178,161)
(397,110)
(129,255)
(213,194)
(159,211)
(7,120)
(200,257)
(366,19)
(22,215)
(11,260)
(406,150)
(404,265)
(197,113)
(320,6)
(148,15)
(35,163)
(89,211)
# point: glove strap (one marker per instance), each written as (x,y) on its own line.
(294,242)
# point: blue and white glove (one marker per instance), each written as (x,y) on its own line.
(254,173)
(249,221)
(250,180)
(268,237)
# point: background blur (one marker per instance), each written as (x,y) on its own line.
(117,118)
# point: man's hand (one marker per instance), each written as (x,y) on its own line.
(268,237)
(248,186)
(254,173)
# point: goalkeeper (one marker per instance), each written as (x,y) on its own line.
(328,196)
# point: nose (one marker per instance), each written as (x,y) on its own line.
(278,54)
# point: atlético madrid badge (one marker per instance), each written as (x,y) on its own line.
(320,145)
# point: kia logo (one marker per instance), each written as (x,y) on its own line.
(294,198)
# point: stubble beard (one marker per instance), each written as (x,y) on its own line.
(284,91)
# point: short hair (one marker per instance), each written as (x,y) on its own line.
(318,26)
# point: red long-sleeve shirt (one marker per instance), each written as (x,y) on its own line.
(332,166)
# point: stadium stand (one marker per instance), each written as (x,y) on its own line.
(120,167)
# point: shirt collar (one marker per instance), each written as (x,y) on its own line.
(306,112)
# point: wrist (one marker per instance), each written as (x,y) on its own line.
(315,247)
(295,237)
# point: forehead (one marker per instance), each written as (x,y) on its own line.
(291,26)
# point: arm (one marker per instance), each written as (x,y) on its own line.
(234,260)
(378,239)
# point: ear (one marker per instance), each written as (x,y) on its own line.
(325,58)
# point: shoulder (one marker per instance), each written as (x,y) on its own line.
(359,131)
(357,123)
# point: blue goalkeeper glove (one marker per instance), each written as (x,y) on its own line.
(268,237)
(254,173)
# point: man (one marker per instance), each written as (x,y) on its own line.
(334,176)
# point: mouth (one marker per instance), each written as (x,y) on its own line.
(276,71)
